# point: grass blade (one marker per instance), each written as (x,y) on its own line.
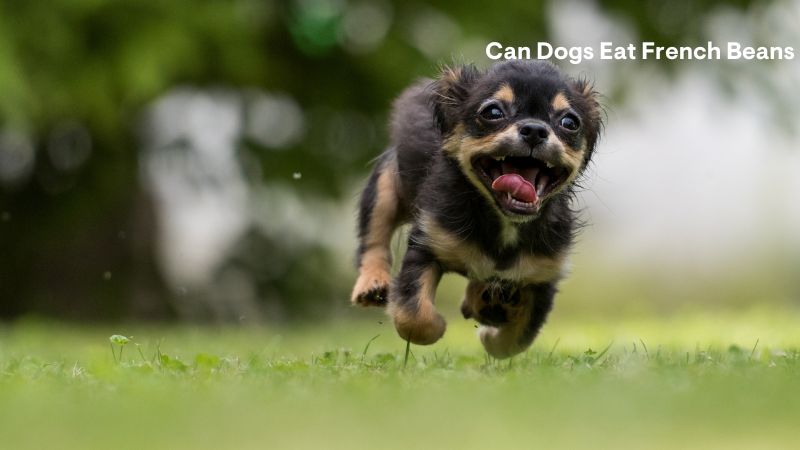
(366,347)
(408,349)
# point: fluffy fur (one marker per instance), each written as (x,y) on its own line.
(483,165)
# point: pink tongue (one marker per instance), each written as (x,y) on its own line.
(518,187)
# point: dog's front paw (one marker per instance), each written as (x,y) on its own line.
(371,288)
(491,303)
(422,327)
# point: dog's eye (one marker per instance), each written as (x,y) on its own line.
(570,122)
(491,112)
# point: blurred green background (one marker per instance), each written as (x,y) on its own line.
(200,160)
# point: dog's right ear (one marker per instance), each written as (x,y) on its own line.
(450,91)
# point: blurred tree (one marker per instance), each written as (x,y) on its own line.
(76,226)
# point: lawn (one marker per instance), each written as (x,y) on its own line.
(690,380)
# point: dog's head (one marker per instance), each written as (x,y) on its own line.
(521,132)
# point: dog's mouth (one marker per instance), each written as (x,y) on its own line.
(519,184)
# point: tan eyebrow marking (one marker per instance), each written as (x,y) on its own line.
(505,93)
(560,102)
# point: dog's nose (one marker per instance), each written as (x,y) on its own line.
(534,133)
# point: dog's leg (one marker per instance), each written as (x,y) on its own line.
(517,335)
(472,299)
(377,219)
(412,294)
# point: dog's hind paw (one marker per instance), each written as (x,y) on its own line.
(491,303)
(501,342)
(371,289)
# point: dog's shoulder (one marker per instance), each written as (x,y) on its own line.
(415,138)
(412,116)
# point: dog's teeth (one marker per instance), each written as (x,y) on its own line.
(499,158)
(541,184)
(549,166)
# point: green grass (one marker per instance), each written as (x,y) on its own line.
(692,380)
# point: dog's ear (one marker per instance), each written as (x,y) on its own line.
(450,91)
(590,109)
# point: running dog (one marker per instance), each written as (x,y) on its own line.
(483,164)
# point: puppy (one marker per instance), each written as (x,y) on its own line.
(483,165)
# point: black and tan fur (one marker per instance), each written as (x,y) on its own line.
(437,174)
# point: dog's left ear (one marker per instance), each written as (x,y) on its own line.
(450,91)
(589,108)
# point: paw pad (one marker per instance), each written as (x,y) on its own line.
(371,290)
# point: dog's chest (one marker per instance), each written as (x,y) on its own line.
(467,258)
(476,265)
